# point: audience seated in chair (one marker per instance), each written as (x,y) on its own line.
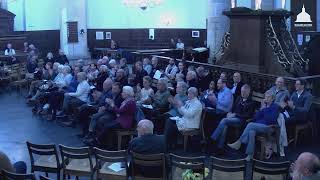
(181,96)
(147,65)
(124,118)
(306,167)
(192,79)
(139,73)
(297,108)
(191,115)
(62,58)
(236,86)
(280,91)
(268,114)
(104,111)
(144,95)
(171,69)
(204,77)
(242,110)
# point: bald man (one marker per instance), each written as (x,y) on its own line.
(280,90)
(306,167)
(147,142)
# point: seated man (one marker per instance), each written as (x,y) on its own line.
(171,69)
(124,115)
(191,115)
(236,86)
(223,104)
(104,110)
(242,110)
(181,96)
(280,91)
(78,98)
(18,167)
(160,99)
(297,108)
(147,143)
(87,110)
(306,167)
(267,116)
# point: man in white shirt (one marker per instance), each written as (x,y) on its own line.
(180,44)
(9,51)
(191,115)
(78,98)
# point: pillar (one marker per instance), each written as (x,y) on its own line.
(217,25)
(4,4)
(74,11)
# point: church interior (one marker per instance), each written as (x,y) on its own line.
(160,89)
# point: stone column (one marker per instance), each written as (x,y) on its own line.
(74,11)
(217,25)
(4,4)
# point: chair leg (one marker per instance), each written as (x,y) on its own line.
(47,174)
(185,142)
(296,135)
(262,149)
(58,175)
(119,142)
(64,177)
(77,177)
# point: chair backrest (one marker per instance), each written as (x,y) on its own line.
(44,178)
(42,149)
(68,153)
(14,176)
(271,168)
(228,166)
(150,160)
(191,163)
(203,117)
(110,156)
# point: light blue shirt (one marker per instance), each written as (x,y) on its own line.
(225,100)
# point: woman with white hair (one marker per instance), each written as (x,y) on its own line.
(124,114)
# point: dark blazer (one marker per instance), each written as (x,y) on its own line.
(126,113)
(100,79)
(148,144)
(243,109)
(303,103)
(237,93)
(204,82)
(62,59)
(139,77)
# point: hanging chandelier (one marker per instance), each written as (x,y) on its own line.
(142,4)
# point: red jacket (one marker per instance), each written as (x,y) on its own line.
(126,113)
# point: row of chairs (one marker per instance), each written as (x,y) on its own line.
(85,161)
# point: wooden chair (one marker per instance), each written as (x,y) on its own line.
(194,132)
(120,133)
(14,176)
(44,178)
(44,158)
(105,159)
(299,128)
(186,163)
(270,168)
(231,169)
(77,161)
(263,138)
(149,161)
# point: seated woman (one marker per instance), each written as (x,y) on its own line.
(49,58)
(191,115)
(144,95)
(92,72)
(124,115)
(267,116)
(208,98)
(10,52)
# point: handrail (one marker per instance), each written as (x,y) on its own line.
(234,69)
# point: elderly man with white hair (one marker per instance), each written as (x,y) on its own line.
(306,167)
(147,142)
(191,115)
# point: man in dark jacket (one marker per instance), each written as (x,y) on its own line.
(236,86)
(242,110)
(147,143)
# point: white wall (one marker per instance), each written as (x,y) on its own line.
(17,7)
(114,14)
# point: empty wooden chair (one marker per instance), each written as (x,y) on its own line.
(14,176)
(181,165)
(44,158)
(77,161)
(120,133)
(148,167)
(261,169)
(109,164)
(228,168)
